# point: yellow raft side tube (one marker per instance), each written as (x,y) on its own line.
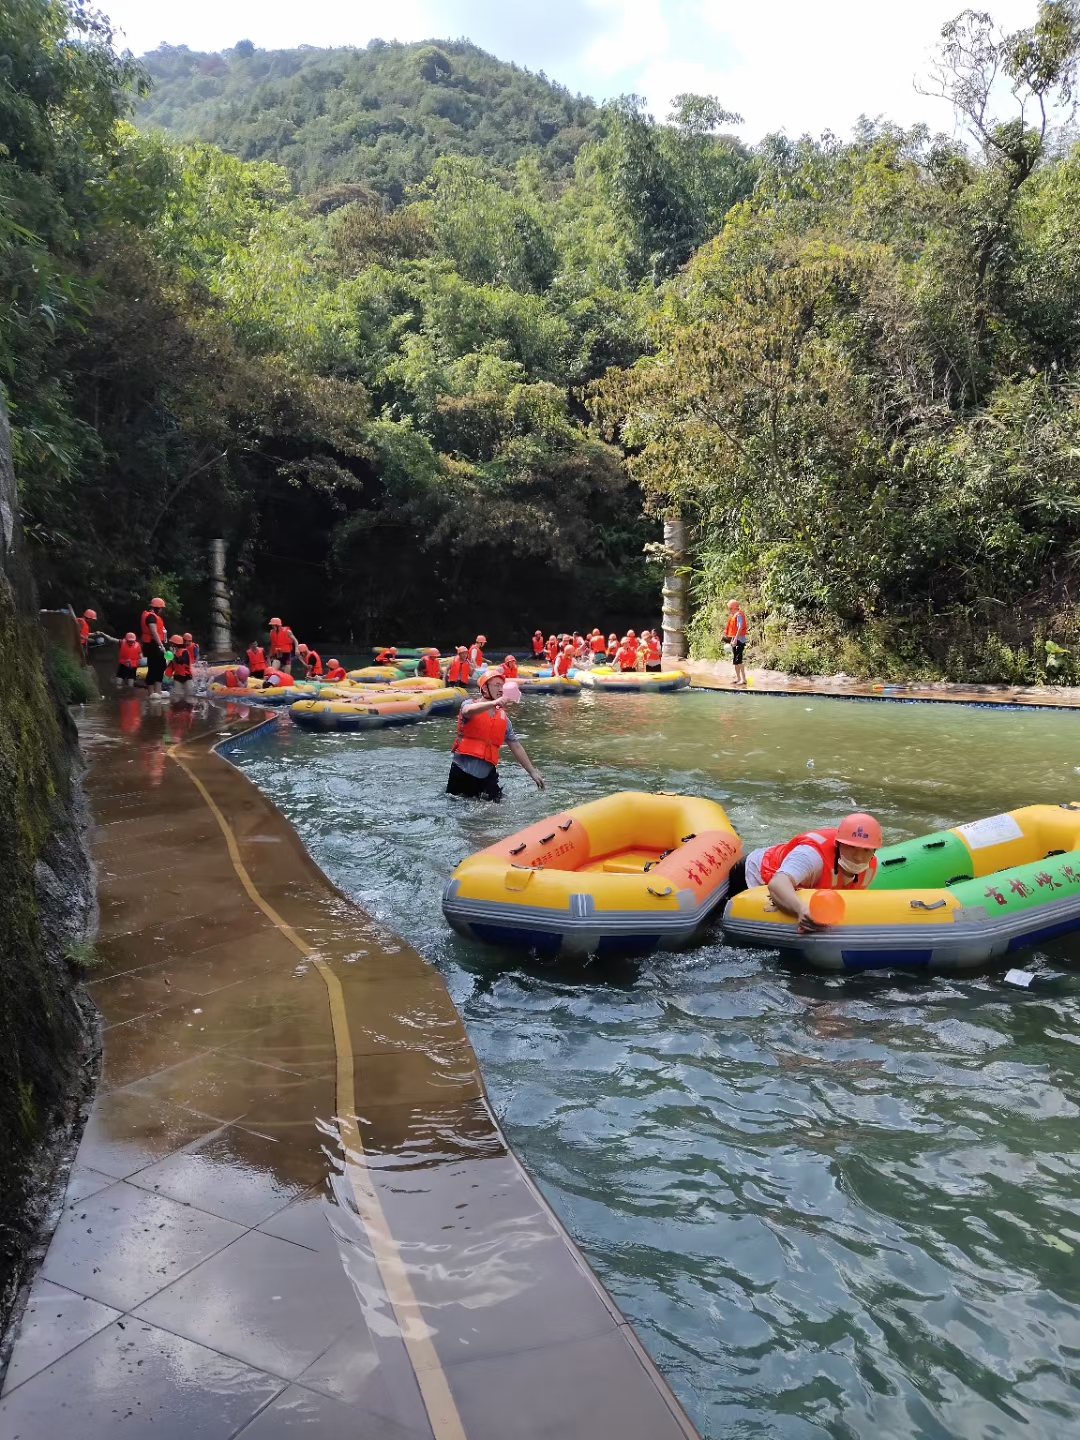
(632,871)
(988,888)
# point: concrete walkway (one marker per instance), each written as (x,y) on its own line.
(719,675)
(292,1211)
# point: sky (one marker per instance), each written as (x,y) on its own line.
(792,65)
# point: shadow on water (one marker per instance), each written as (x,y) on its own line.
(832,1206)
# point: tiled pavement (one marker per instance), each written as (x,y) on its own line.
(215,1272)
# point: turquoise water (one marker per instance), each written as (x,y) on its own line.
(830,1206)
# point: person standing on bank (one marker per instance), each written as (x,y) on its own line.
(735,636)
(152,639)
(483,726)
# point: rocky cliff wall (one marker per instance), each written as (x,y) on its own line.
(47,1032)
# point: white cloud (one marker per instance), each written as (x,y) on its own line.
(795,65)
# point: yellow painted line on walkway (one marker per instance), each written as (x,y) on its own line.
(415,1333)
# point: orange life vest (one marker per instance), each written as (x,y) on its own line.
(429,666)
(824,842)
(459,673)
(538,644)
(480,735)
(626,657)
(597,644)
(476,656)
(282,640)
(84,629)
(231,680)
(256,658)
(563,664)
(180,669)
(314,662)
(337,673)
(152,627)
(510,667)
(655,651)
(735,629)
(384,658)
(551,649)
(130,651)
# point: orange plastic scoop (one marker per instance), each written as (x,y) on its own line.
(826,907)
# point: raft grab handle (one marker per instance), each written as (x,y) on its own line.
(661,894)
(687,838)
(544,839)
(934,845)
(895,860)
(922,905)
(518,849)
(568,824)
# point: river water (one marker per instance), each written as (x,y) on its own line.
(831,1206)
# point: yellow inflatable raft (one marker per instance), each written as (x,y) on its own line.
(948,901)
(630,872)
(376,674)
(634,681)
(375,710)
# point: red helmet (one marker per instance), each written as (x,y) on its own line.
(301,649)
(630,635)
(89,614)
(187,636)
(130,636)
(275,619)
(176,639)
(861,830)
(733,605)
(332,662)
(157,603)
(495,673)
(433,650)
(462,649)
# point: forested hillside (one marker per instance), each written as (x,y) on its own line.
(378,117)
(421,382)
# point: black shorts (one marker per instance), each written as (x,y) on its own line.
(654,665)
(125,672)
(738,650)
(460,782)
(155,663)
(257,674)
(736,883)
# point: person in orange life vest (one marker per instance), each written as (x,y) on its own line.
(334,670)
(735,636)
(580,647)
(428,666)
(612,647)
(551,649)
(653,650)
(459,671)
(476,652)
(181,669)
(483,726)
(235,677)
(152,636)
(626,654)
(829,858)
(387,655)
(538,643)
(510,667)
(256,658)
(84,632)
(311,661)
(597,648)
(282,646)
(196,653)
(564,663)
(128,657)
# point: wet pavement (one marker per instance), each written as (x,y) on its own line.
(292,1211)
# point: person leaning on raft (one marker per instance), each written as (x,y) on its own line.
(829,858)
(483,726)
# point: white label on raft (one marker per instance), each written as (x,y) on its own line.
(995,830)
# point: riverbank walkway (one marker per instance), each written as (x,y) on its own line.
(291,1212)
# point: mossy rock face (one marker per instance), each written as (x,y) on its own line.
(45,896)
